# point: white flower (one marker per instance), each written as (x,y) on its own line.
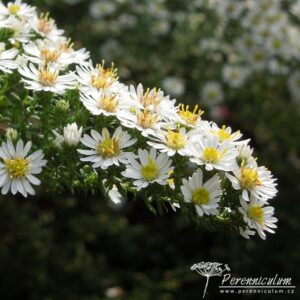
(17,169)
(41,52)
(115,196)
(212,93)
(258,181)
(205,196)
(105,150)
(151,169)
(19,9)
(234,75)
(46,27)
(213,154)
(246,232)
(71,135)
(46,78)
(104,102)
(223,134)
(229,9)
(174,86)
(100,78)
(257,216)
(170,141)
(7,59)
(294,86)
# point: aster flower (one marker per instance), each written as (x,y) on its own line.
(210,152)
(189,118)
(205,196)
(106,150)
(151,168)
(170,141)
(17,168)
(7,59)
(258,181)
(46,78)
(212,93)
(71,135)
(104,102)
(18,9)
(257,216)
(234,76)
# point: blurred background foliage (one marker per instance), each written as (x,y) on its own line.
(67,248)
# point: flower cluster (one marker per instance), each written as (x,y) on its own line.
(100,135)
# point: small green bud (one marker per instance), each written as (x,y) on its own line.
(3,101)
(12,134)
(62,105)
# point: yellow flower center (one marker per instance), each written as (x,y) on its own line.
(17,167)
(50,55)
(223,134)
(150,98)
(146,119)
(175,140)
(212,155)
(104,77)
(150,170)
(249,178)
(256,213)
(13,8)
(190,117)
(44,24)
(109,147)
(200,196)
(47,78)
(108,103)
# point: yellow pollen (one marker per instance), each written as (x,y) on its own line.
(150,98)
(256,213)
(212,155)
(249,177)
(108,103)
(190,117)
(50,55)
(150,170)
(109,147)
(175,140)
(47,78)
(17,167)
(13,8)
(105,77)
(200,196)
(146,119)
(223,134)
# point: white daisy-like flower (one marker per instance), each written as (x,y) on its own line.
(224,133)
(246,232)
(41,52)
(46,78)
(258,216)
(171,141)
(21,29)
(107,150)
(174,86)
(244,153)
(115,196)
(18,9)
(98,77)
(258,181)
(154,101)
(210,152)
(212,93)
(7,59)
(17,168)
(104,102)
(190,118)
(71,135)
(46,27)
(235,76)
(151,168)
(205,196)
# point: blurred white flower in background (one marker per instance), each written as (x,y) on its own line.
(212,93)
(294,86)
(174,86)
